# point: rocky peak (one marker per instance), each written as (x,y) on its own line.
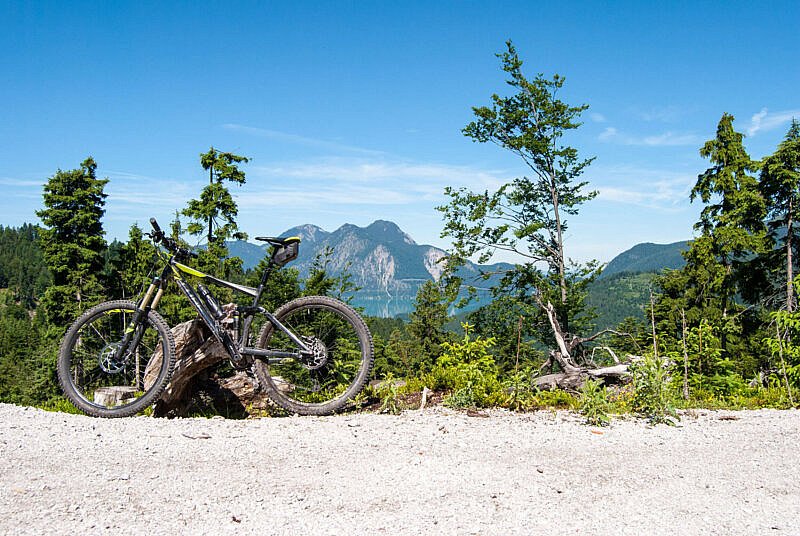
(387,231)
(308,233)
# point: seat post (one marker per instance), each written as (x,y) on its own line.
(264,279)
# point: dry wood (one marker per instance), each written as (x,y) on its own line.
(195,351)
(113,396)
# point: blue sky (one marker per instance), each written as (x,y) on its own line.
(352,111)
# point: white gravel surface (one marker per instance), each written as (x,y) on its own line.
(431,472)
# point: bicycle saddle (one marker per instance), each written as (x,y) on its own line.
(278,241)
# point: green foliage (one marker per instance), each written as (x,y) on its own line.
(28,351)
(654,394)
(214,213)
(707,366)
(556,399)
(320,282)
(780,187)
(388,392)
(619,296)
(428,320)
(528,215)
(732,230)
(594,403)
(72,241)
(785,350)
(469,370)
(514,327)
(22,269)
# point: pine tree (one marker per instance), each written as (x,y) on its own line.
(214,214)
(731,223)
(72,241)
(428,320)
(780,186)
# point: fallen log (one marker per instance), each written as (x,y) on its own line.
(573,380)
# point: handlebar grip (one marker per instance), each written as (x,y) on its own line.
(155,226)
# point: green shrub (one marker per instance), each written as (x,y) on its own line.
(61,405)
(388,392)
(594,403)
(556,399)
(469,371)
(653,394)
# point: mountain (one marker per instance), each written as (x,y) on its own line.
(385,262)
(389,267)
(623,289)
(647,257)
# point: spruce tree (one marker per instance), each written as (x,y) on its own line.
(731,223)
(72,241)
(780,186)
(428,320)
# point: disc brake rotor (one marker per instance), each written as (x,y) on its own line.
(317,355)
(107,362)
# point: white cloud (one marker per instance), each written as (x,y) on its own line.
(295,139)
(597,118)
(642,187)
(367,170)
(663,114)
(21,183)
(667,139)
(765,120)
(131,189)
(608,134)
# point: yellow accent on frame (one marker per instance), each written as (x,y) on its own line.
(190,271)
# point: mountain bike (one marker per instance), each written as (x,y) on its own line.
(311,356)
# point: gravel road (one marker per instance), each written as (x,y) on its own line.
(431,472)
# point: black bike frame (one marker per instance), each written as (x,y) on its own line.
(175,269)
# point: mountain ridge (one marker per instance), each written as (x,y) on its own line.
(390,267)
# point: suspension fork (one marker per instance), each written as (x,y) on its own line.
(132,335)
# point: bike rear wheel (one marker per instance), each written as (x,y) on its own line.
(102,381)
(322,381)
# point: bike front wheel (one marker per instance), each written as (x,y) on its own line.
(336,366)
(104,379)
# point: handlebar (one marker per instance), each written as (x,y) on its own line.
(169,244)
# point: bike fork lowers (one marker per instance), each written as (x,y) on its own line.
(132,335)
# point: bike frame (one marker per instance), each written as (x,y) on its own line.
(236,349)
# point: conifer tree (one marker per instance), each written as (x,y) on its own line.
(214,214)
(731,223)
(428,319)
(780,187)
(72,240)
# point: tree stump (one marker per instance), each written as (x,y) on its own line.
(191,388)
(114,396)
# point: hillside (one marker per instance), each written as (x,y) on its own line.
(647,257)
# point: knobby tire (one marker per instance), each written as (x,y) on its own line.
(83,364)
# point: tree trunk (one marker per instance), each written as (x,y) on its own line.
(574,380)
(196,351)
(789,268)
(573,376)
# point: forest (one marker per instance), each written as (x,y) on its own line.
(723,331)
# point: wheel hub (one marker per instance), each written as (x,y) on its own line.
(107,362)
(317,355)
